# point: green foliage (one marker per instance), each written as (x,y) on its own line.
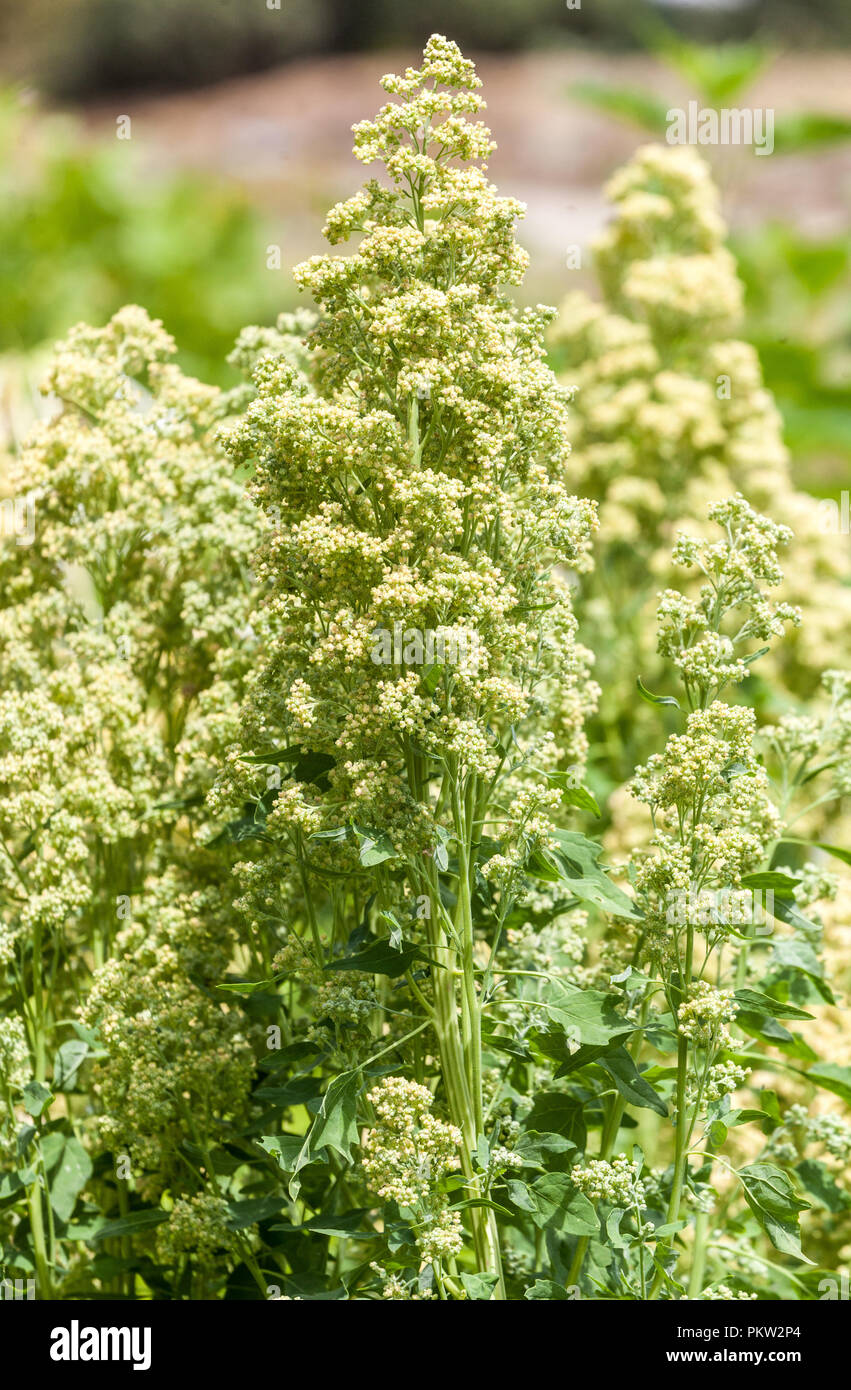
(86,228)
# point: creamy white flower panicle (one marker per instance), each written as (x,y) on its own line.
(405,1157)
(670,413)
(617,1182)
(414,477)
(123,646)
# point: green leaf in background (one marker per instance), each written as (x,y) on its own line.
(818,1180)
(800,956)
(335,1126)
(558,1203)
(655,699)
(630,1083)
(129,1225)
(626,103)
(835,850)
(830,1076)
(68,1168)
(382,958)
(809,130)
(254,1209)
(36,1097)
(717,72)
(345,1224)
(774,1201)
(754,1001)
(68,1061)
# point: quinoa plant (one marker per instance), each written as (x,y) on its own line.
(312,989)
(122,660)
(414,483)
(670,412)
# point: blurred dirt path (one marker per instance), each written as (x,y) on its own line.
(285,136)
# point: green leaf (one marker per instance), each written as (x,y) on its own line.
(835,850)
(479,1286)
(481,1202)
(580,853)
(718,72)
(775,1203)
(573,794)
(830,1076)
(627,103)
(783,885)
(613,1229)
(587,879)
(630,1083)
(299,1090)
(36,1097)
(313,768)
(69,1059)
(335,1126)
(246,987)
(557,1203)
(519,1194)
(374,848)
(587,1016)
(547,1289)
(809,130)
(554,1112)
(273,759)
(655,699)
(247,827)
(534,1147)
(254,1209)
(800,956)
(285,1148)
(601,893)
(343,1225)
(817,1178)
(382,958)
(717,1133)
(754,1001)
(431,677)
(130,1225)
(68,1169)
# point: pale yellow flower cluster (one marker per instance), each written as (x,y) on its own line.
(413,476)
(671,413)
(123,647)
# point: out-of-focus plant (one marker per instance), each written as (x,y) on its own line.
(670,410)
(718,75)
(123,647)
(86,228)
(797,286)
(798,317)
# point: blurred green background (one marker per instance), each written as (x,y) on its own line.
(239,114)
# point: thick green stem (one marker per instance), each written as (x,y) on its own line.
(462,1108)
(698,1259)
(683,1129)
(44,1282)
